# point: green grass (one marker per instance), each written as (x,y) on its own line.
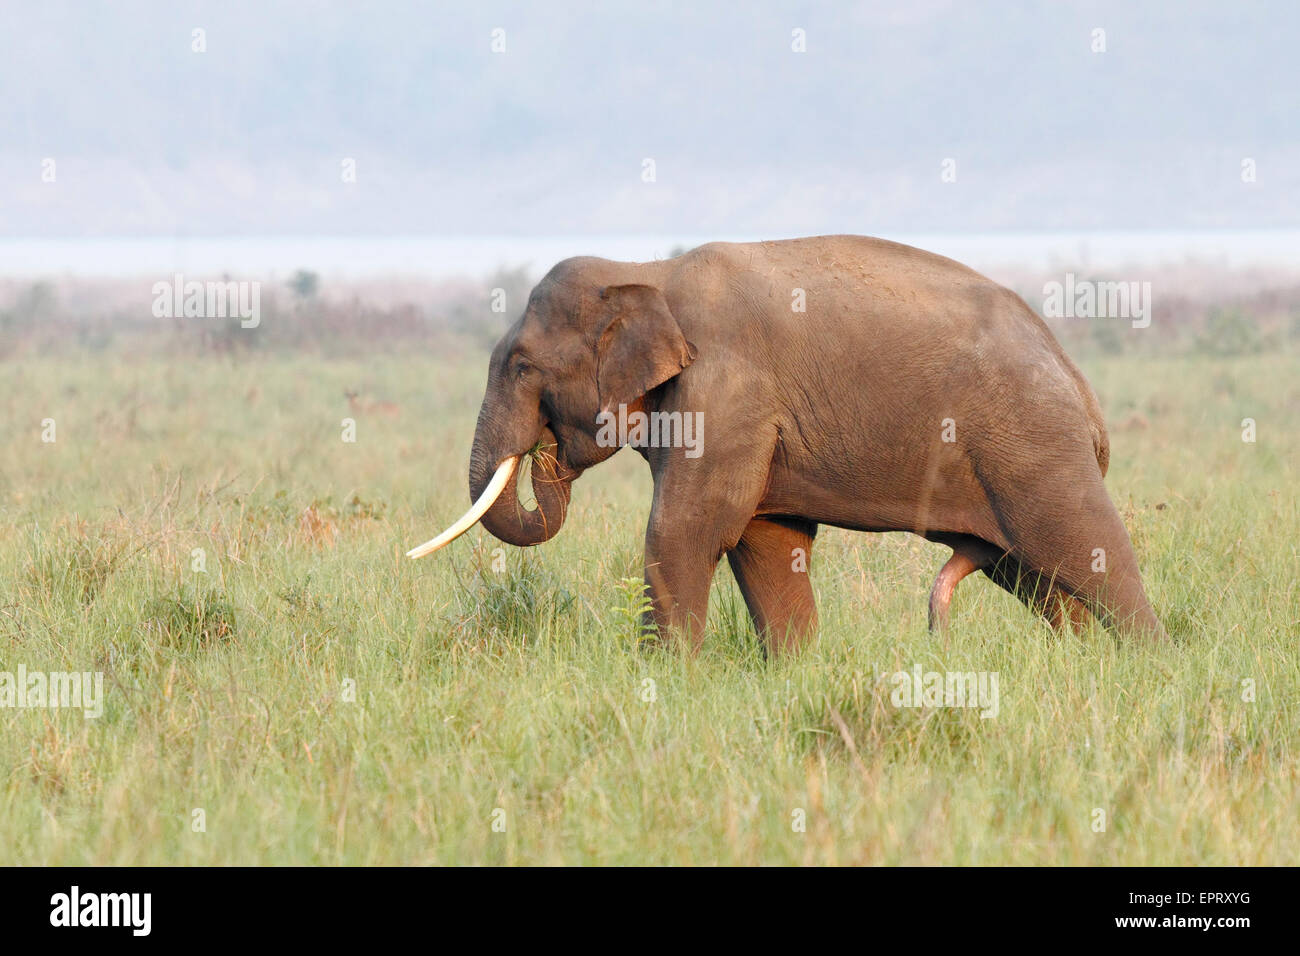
(323,700)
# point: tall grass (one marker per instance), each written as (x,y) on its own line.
(201,534)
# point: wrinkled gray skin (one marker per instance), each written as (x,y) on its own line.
(834,415)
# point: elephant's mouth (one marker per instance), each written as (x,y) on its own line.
(496,501)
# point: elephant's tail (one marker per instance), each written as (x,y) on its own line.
(1101,444)
(1091,405)
(1096,421)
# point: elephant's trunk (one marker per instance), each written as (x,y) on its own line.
(507,518)
(494,486)
(496,498)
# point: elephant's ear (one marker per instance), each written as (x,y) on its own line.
(640,347)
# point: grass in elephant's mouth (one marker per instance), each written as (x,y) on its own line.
(325,701)
(543,454)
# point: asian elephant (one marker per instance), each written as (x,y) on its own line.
(835,380)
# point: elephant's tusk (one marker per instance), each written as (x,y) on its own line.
(485,501)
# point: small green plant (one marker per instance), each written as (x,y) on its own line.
(632,613)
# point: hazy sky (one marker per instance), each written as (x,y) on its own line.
(550,137)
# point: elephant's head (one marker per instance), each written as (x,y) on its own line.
(595,335)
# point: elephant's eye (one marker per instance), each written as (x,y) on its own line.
(522,368)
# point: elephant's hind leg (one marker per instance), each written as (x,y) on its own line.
(1069,532)
(1039,593)
(770,563)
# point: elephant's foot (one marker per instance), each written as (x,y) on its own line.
(1066,612)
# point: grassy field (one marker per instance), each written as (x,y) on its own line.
(322,700)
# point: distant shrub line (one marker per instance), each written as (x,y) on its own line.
(305,316)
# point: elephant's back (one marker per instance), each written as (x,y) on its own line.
(839,297)
(850,260)
(894,331)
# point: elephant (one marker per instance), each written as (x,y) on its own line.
(840,380)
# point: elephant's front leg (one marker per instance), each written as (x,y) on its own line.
(701,509)
(771,566)
(679,566)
